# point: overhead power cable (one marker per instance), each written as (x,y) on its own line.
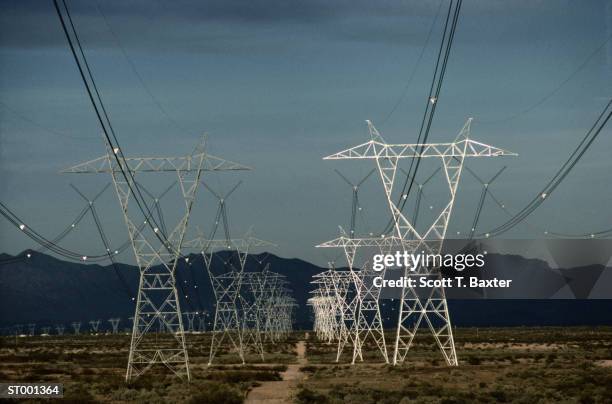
(32,122)
(416,67)
(556,89)
(101,113)
(483,197)
(53,244)
(132,65)
(448,35)
(110,253)
(595,234)
(559,176)
(38,238)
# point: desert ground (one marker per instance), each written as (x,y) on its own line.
(515,365)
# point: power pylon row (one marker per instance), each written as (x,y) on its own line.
(346,304)
(250,306)
(157,251)
(33,329)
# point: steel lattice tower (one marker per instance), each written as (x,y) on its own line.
(346,301)
(414,309)
(157,305)
(115,324)
(226,287)
(363,310)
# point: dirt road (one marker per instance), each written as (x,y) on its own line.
(281,392)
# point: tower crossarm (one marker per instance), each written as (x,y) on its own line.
(157,164)
(375,149)
(381,242)
(239,244)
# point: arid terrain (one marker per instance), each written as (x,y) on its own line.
(522,365)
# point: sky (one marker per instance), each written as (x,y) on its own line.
(277,85)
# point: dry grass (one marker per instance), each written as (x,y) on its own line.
(92,369)
(522,365)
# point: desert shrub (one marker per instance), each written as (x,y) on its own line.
(307,396)
(453,400)
(236,376)
(499,396)
(77,394)
(142,383)
(586,399)
(216,393)
(88,371)
(474,360)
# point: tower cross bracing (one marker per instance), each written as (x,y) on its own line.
(414,309)
(157,253)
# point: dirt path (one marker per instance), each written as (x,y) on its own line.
(281,392)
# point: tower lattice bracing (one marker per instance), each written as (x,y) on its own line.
(345,299)
(363,310)
(157,253)
(415,309)
(228,323)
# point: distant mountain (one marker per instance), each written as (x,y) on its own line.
(45,290)
(48,291)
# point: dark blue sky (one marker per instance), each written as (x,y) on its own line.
(278,85)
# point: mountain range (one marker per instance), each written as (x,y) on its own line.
(47,291)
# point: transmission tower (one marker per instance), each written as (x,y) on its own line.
(59,329)
(227,286)
(156,253)
(114,322)
(76,326)
(365,319)
(249,300)
(190,319)
(324,307)
(276,306)
(413,308)
(202,321)
(95,325)
(356,301)
(345,294)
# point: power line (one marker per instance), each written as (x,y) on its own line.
(414,70)
(32,122)
(37,237)
(53,244)
(504,208)
(559,176)
(114,148)
(483,196)
(556,89)
(446,43)
(104,239)
(104,120)
(132,65)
